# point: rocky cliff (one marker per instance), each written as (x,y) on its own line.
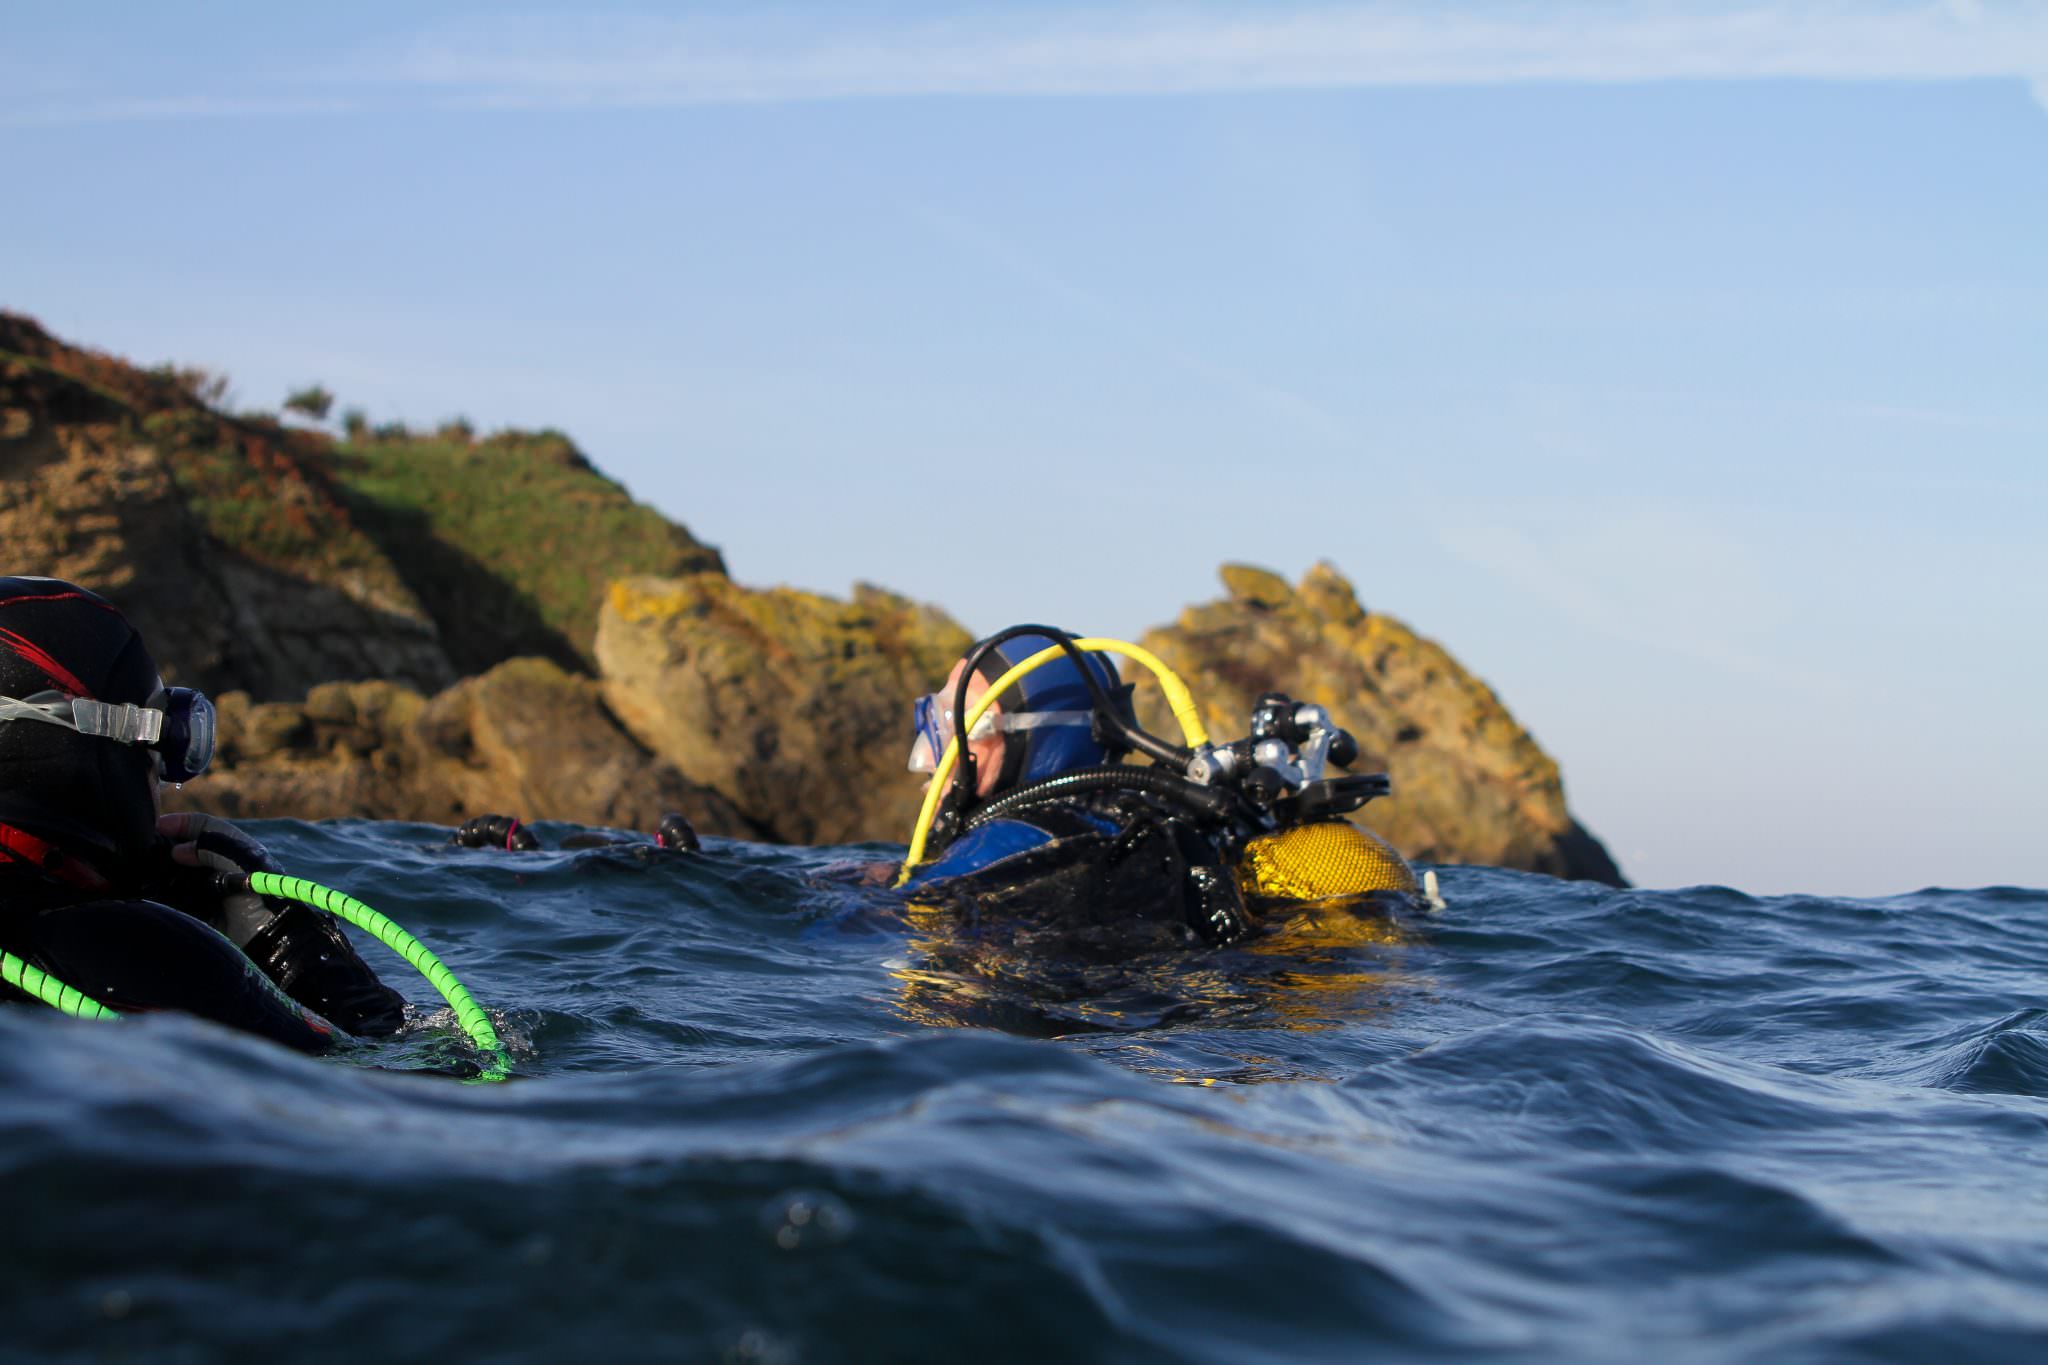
(525,737)
(269,558)
(354,604)
(208,531)
(1470,784)
(794,707)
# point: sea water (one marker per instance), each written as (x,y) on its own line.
(761,1115)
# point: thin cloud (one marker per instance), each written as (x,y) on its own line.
(761,55)
(180,107)
(1164,51)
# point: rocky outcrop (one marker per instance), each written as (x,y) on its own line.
(794,707)
(237,566)
(525,738)
(1470,784)
(510,541)
(267,563)
(780,714)
(267,558)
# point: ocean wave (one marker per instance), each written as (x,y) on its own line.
(757,1115)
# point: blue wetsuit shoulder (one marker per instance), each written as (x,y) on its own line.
(997,841)
(983,848)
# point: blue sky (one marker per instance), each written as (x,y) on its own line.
(1679,367)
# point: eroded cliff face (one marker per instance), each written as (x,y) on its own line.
(240,569)
(526,738)
(334,591)
(268,558)
(1470,784)
(778,714)
(793,706)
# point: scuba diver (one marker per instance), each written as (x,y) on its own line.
(1039,824)
(1038,815)
(102,890)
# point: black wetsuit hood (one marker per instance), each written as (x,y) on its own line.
(83,793)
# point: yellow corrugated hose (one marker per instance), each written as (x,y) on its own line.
(1177,697)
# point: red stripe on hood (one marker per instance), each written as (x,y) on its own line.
(72,596)
(40,658)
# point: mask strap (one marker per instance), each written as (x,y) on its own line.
(120,721)
(123,721)
(49,712)
(1032,720)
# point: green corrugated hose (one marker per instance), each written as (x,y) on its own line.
(475,1022)
(471,1015)
(50,990)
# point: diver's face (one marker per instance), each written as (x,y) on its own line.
(988,753)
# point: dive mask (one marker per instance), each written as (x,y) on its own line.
(933,718)
(176,725)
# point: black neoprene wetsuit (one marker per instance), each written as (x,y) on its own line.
(151,938)
(1106,861)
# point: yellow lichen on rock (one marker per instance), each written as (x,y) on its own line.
(1470,783)
(651,599)
(791,704)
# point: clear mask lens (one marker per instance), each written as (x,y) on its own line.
(185,749)
(933,721)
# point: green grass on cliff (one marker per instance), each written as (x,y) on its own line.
(255,501)
(510,541)
(507,543)
(237,476)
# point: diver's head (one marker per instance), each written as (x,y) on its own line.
(87,727)
(1042,725)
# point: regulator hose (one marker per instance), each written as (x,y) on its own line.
(475,1022)
(52,992)
(1111,717)
(1207,802)
(471,1015)
(1177,697)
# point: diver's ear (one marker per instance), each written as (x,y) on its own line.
(1000,764)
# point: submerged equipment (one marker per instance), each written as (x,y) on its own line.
(1268,794)
(468,1013)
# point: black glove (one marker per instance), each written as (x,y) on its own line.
(495,831)
(312,961)
(208,841)
(301,949)
(676,834)
(202,848)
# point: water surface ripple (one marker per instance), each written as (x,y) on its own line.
(762,1117)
